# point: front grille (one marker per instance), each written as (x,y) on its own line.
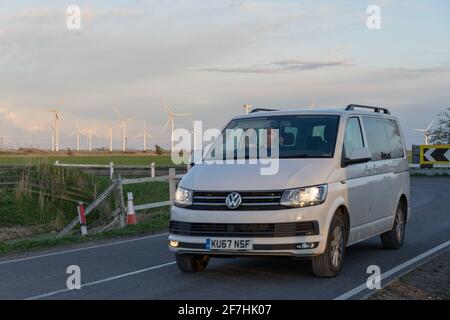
(264,230)
(251,200)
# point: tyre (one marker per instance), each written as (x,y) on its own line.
(393,239)
(192,262)
(329,264)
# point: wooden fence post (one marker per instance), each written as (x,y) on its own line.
(121,202)
(171,184)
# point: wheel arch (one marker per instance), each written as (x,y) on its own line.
(404,201)
(342,210)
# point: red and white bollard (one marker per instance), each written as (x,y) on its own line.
(131,215)
(82,217)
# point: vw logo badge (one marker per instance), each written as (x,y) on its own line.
(233,200)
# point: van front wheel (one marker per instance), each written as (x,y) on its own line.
(329,264)
(192,262)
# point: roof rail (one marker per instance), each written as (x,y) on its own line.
(375,109)
(262,110)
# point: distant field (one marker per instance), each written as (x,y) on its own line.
(131,159)
(138,160)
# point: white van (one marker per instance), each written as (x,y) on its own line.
(342,178)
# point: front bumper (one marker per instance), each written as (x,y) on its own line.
(302,246)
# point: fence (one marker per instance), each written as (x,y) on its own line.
(116,189)
(112,170)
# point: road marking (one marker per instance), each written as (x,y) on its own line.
(82,249)
(394,270)
(120,276)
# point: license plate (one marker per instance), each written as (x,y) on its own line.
(229,244)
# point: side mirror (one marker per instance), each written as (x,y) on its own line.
(358,155)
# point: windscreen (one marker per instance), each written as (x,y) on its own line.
(295,136)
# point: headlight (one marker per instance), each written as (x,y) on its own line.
(304,197)
(183,197)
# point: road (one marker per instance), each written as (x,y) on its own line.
(143,268)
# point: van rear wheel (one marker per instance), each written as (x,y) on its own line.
(393,239)
(192,262)
(329,264)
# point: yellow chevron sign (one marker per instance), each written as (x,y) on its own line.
(435,154)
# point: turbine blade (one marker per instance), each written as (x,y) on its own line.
(429,126)
(182,114)
(166,106)
(118,112)
(167,124)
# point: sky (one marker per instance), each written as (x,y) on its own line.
(209,58)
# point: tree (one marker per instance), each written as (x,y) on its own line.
(441,133)
(159,151)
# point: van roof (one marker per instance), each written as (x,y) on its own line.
(322,111)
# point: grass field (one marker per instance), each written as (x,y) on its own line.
(137,160)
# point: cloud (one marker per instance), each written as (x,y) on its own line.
(281,66)
(422,70)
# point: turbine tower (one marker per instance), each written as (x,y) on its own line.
(123,123)
(313,104)
(53,134)
(145,135)
(170,121)
(77,132)
(426,132)
(110,137)
(89,134)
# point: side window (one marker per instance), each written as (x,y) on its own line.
(353,136)
(377,138)
(395,138)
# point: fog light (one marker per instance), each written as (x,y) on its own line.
(173,243)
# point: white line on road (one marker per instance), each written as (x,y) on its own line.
(45,295)
(82,249)
(394,270)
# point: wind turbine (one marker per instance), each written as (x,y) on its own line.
(55,128)
(247,108)
(313,104)
(123,122)
(145,134)
(426,132)
(77,132)
(170,121)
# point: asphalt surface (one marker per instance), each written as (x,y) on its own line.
(143,268)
